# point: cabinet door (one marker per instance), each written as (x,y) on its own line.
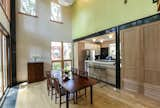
(31,73)
(39,71)
(131,59)
(81,55)
(151,35)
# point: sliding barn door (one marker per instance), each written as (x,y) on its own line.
(151,35)
(132,65)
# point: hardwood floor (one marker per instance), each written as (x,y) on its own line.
(35,96)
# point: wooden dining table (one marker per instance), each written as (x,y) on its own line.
(75,84)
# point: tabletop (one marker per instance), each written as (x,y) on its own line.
(75,83)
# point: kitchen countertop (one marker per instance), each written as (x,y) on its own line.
(101,62)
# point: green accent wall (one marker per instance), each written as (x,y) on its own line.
(90,16)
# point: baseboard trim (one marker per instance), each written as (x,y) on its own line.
(152,91)
(3,97)
(132,86)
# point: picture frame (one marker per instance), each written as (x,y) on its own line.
(155,1)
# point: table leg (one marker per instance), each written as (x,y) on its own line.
(76,98)
(91,93)
(67,100)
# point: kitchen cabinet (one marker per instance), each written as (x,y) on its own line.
(103,71)
(92,46)
(79,55)
(35,72)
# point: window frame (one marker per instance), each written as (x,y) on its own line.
(62,60)
(27,14)
(5,5)
(56,21)
(5,79)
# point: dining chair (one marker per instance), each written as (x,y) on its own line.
(50,86)
(84,74)
(58,91)
(74,71)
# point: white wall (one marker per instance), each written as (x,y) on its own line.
(34,36)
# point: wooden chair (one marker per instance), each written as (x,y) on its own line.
(83,74)
(58,91)
(50,86)
(74,71)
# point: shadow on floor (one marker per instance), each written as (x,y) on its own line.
(10,100)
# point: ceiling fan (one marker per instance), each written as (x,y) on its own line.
(66,2)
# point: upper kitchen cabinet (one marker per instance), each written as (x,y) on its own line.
(92,46)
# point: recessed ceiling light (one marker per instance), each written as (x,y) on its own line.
(110,36)
(94,40)
(101,41)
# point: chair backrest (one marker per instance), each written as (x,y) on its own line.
(48,74)
(56,85)
(49,81)
(83,73)
(74,71)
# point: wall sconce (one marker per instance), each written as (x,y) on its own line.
(154,1)
(125,1)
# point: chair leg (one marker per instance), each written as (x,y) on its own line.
(85,92)
(60,102)
(48,91)
(55,98)
(74,98)
(52,94)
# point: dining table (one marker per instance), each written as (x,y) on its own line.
(74,84)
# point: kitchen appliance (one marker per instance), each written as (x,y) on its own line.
(104,52)
(92,54)
(87,54)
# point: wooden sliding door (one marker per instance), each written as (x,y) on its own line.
(132,59)
(141,59)
(151,37)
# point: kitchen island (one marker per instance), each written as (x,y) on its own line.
(101,70)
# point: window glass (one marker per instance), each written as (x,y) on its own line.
(67,51)
(61,54)
(56,12)
(1,88)
(56,66)
(4,62)
(67,65)
(28,7)
(56,50)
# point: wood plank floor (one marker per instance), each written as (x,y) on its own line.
(35,96)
